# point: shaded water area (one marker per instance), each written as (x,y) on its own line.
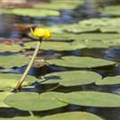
(8,29)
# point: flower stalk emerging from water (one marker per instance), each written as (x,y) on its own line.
(39,33)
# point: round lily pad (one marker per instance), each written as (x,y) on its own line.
(81,62)
(96,36)
(10,48)
(109,81)
(72,78)
(9,81)
(23,118)
(73,116)
(111,10)
(13,61)
(3,95)
(35,12)
(91,99)
(59,46)
(58,4)
(34,102)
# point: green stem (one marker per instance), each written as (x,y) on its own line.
(19,84)
(31,113)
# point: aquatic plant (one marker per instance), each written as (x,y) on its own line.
(39,33)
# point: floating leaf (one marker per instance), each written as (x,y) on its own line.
(72,78)
(9,81)
(100,25)
(91,99)
(35,12)
(112,10)
(72,116)
(13,61)
(34,102)
(80,28)
(96,36)
(10,48)
(93,44)
(63,36)
(72,61)
(55,46)
(3,95)
(67,4)
(109,81)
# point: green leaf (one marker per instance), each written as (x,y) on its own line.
(59,46)
(58,4)
(112,10)
(10,48)
(81,62)
(3,95)
(109,81)
(72,78)
(97,40)
(13,61)
(34,102)
(35,12)
(91,99)
(95,36)
(9,81)
(72,116)
(100,25)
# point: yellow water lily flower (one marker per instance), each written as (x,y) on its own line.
(40,32)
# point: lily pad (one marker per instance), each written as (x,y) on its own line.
(93,43)
(91,25)
(35,12)
(96,36)
(59,46)
(111,10)
(72,116)
(67,4)
(10,48)
(72,78)
(109,81)
(9,81)
(80,28)
(13,61)
(34,101)
(3,96)
(81,62)
(91,99)
(89,40)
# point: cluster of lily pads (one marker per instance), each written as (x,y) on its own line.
(91,33)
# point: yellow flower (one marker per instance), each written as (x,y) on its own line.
(40,32)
